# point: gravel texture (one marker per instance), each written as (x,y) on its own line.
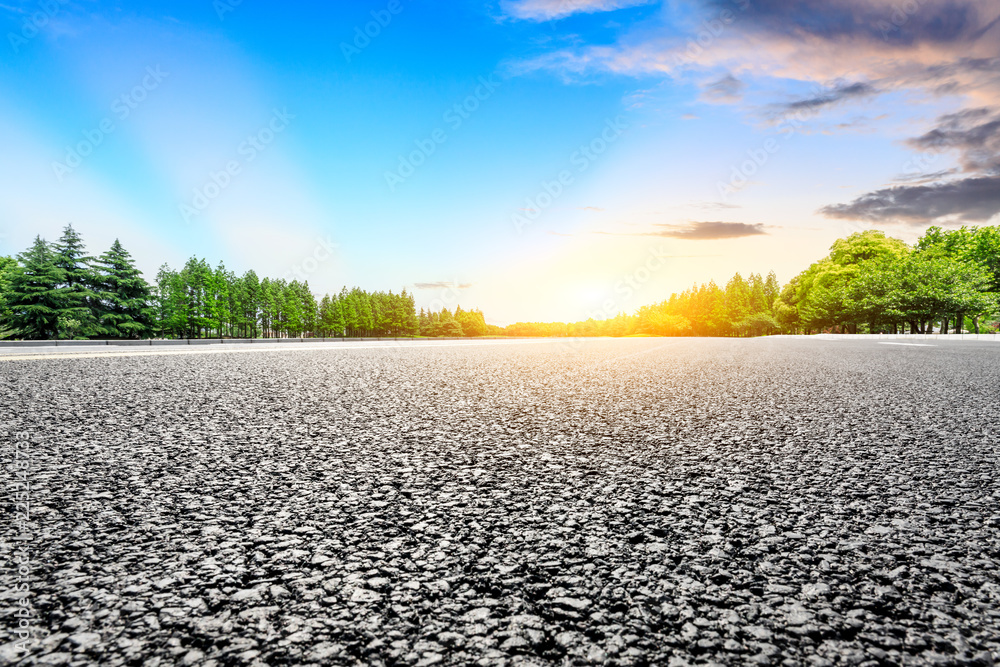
(629,502)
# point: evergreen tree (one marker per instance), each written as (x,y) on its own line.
(251,304)
(330,316)
(36,297)
(7,267)
(411,326)
(81,303)
(172,303)
(308,308)
(126,310)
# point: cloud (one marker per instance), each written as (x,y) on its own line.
(728,89)
(974,133)
(709,231)
(443,284)
(831,97)
(716,204)
(888,21)
(850,50)
(971,200)
(702,231)
(547,10)
(941,44)
(935,197)
(596,209)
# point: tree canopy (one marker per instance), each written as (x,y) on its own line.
(868,282)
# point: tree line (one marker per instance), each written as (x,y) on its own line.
(949,281)
(743,307)
(57,291)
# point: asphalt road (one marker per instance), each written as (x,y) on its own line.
(644,501)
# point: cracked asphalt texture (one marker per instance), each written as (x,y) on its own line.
(625,502)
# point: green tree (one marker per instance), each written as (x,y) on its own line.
(36,296)
(7,267)
(126,310)
(473,322)
(451,329)
(171,301)
(81,308)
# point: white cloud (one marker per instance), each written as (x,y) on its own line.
(547,10)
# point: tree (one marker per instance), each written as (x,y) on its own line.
(656,321)
(451,328)
(126,310)
(866,246)
(408,324)
(171,302)
(758,324)
(473,322)
(979,246)
(36,297)
(738,300)
(251,295)
(938,287)
(7,267)
(81,306)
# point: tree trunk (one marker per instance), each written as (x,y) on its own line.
(975,324)
(944,325)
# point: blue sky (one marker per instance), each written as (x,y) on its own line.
(526,157)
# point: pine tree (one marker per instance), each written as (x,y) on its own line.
(125,296)
(308,308)
(423,323)
(81,303)
(36,297)
(411,326)
(251,304)
(7,267)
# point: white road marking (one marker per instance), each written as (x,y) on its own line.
(236,349)
(911,344)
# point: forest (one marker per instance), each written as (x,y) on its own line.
(57,291)
(949,281)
